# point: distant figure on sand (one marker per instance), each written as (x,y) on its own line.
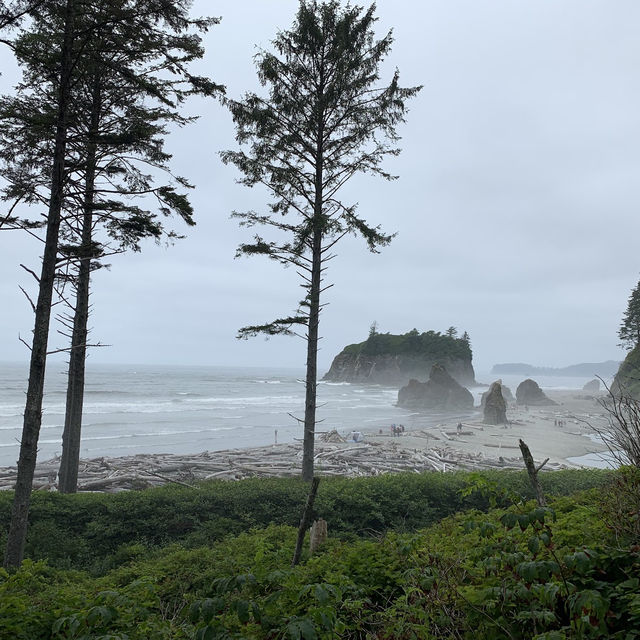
(459,427)
(396,430)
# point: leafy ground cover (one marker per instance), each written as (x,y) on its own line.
(567,571)
(99,531)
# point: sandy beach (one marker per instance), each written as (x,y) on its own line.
(559,432)
(579,412)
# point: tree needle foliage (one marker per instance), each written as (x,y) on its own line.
(326,118)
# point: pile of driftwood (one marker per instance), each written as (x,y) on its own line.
(331,459)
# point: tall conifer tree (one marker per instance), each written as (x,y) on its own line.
(126,76)
(326,118)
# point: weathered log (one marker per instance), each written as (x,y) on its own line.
(532,470)
(318,535)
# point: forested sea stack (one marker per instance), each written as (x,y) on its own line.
(389,359)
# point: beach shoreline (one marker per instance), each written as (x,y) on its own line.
(560,432)
(580,414)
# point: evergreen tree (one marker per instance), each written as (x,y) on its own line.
(12,13)
(123,78)
(61,74)
(452,332)
(629,332)
(326,119)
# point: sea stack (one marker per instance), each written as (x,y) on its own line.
(592,385)
(441,391)
(530,394)
(393,360)
(506,394)
(495,407)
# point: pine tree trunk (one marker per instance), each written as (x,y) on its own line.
(305,521)
(68,474)
(308,444)
(33,408)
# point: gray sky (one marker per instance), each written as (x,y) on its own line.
(516,207)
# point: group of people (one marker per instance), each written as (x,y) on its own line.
(560,423)
(397,430)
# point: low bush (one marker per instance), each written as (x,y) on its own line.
(517,572)
(97,531)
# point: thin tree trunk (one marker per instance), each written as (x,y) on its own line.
(305,521)
(68,480)
(314,319)
(308,445)
(33,408)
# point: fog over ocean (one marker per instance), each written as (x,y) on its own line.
(131,409)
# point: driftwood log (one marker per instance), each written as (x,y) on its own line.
(318,535)
(331,459)
(533,471)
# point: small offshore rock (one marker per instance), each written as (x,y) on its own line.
(529,393)
(592,385)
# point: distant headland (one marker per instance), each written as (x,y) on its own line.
(384,358)
(585,369)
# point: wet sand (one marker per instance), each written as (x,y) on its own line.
(579,412)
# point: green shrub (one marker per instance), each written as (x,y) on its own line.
(620,506)
(96,531)
(509,572)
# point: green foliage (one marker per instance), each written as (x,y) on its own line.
(629,332)
(620,506)
(99,532)
(325,118)
(512,575)
(435,345)
(627,380)
(520,572)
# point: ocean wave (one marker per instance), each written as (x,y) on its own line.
(132,436)
(198,404)
(11,415)
(156,434)
(19,427)
(109,392)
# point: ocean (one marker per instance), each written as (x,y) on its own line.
(132,409)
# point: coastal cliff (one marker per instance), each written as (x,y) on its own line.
(395,359)
(627,379)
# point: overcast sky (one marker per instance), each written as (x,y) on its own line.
(516,207)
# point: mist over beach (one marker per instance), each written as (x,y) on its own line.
(147,409)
